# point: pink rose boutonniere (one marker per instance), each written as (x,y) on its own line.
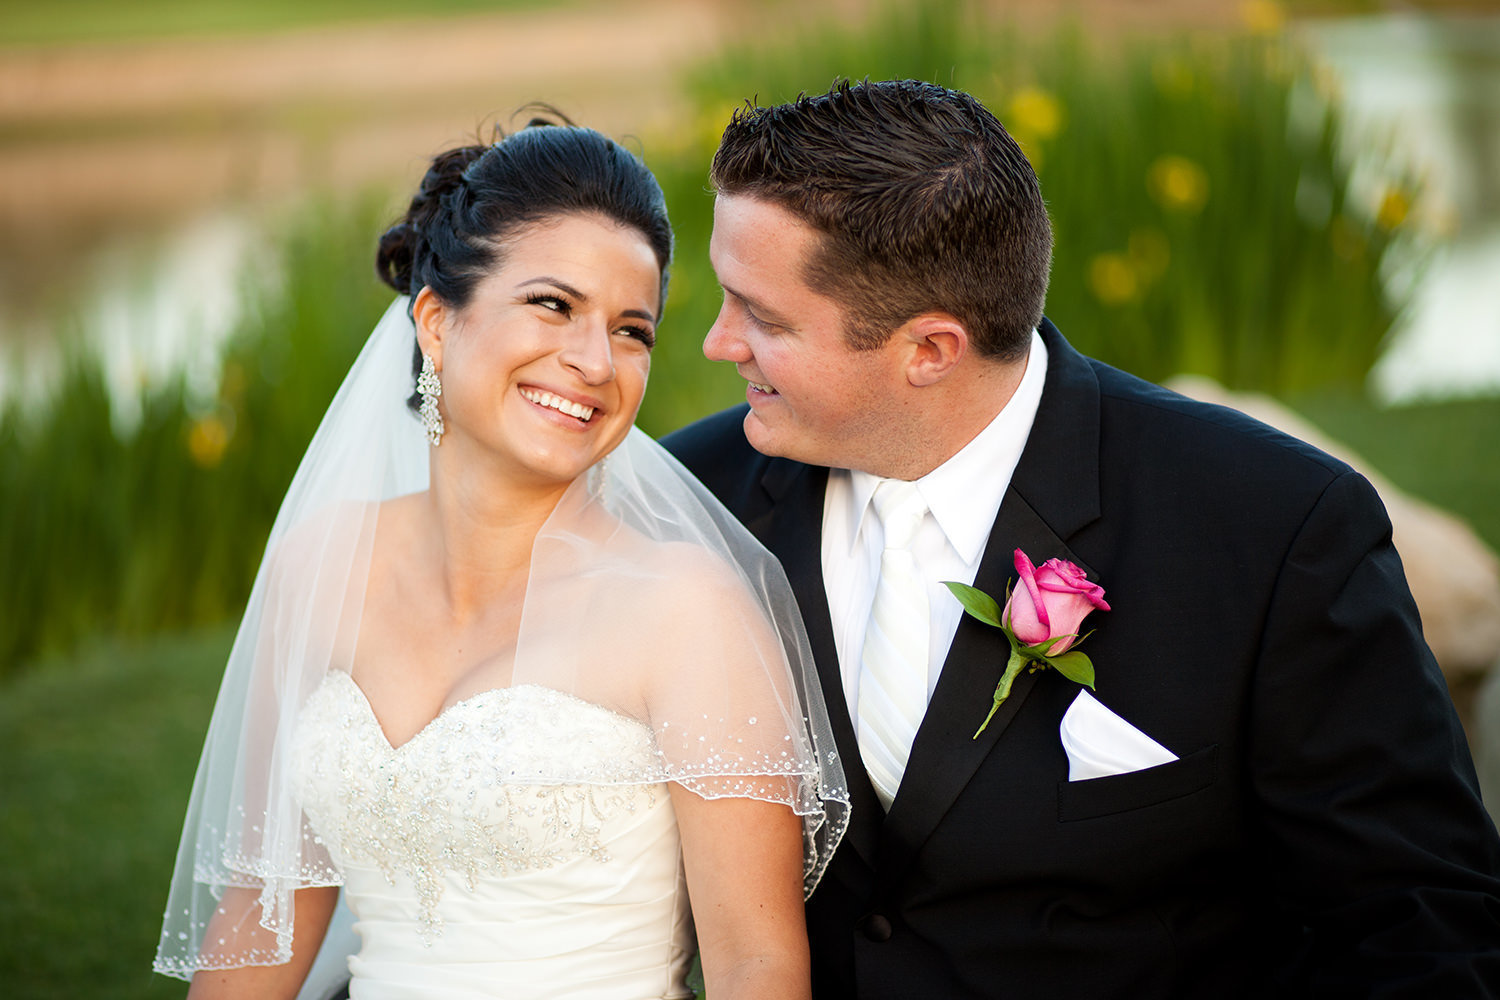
(1041,620)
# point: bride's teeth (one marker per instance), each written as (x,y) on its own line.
(758,387)
(567,406)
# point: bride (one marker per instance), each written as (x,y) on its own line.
(509,679)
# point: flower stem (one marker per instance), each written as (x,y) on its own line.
(1013,668)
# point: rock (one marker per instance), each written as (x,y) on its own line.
(1454,576)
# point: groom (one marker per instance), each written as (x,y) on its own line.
(1267,793)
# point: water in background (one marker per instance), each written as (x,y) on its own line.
(152,308)
(157,300)
(1428,88)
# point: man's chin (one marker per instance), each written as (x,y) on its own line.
(764,439)
(777,442)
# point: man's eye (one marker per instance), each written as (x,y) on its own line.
(763,324)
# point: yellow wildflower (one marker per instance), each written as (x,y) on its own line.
(207,440)
(1177,183)
(1394,208)
(1113,280)
(1035,113)
(1262,17)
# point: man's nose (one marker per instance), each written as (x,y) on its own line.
(724,342)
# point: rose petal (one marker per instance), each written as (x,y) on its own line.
(1025,611)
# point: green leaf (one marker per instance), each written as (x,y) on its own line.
(1075,666)
(1044,647)
(976,602)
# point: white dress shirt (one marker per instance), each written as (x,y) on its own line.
(963,496)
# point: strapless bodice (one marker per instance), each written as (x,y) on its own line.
(511,848)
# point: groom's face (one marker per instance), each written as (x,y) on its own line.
(812,396)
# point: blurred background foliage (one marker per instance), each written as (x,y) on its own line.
(1207,220)
(1177,172)
(25,23)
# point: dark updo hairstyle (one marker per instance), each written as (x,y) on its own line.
(475,198)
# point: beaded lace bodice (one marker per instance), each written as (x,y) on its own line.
(505,800)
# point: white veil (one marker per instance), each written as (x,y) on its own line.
(645,596)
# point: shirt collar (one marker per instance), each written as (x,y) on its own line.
(981,468)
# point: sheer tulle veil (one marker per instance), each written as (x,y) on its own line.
(645,596)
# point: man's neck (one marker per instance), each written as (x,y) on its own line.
(951,414)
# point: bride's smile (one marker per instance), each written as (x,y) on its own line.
(541,397)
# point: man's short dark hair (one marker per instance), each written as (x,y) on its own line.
(923,200)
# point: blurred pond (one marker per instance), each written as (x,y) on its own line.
(139,177)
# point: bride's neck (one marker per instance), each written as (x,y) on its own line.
(481,535)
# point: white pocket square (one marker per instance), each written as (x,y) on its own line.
(1099,743)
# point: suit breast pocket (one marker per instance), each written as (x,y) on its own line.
(1138,789)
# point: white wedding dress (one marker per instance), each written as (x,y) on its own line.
(507,850)
(523,844)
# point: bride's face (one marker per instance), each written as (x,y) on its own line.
(545,367)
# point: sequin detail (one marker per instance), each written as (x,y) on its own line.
(510,780)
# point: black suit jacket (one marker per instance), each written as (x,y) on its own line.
(1320,834)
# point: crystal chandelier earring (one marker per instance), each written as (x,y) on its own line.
(599,480)
(430,387)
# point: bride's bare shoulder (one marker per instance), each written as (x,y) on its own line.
(343,534)
(687,579)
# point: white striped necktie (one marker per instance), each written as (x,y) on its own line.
(893,666)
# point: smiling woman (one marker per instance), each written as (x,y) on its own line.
(546,365)
(516,703)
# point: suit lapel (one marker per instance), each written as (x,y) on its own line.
(946,752)
(1053,493)
(792,528)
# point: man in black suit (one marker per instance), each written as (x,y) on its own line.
(1272,794)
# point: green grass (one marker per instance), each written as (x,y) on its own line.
(63,21)
(97,757)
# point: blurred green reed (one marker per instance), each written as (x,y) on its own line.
(164,528)
(1203,221)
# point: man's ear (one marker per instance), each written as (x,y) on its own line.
(431,317)
(937,342)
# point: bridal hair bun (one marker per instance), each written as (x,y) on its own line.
(474,198)
(396,256)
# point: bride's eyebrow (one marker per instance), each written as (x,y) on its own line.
(555,283)
(563,286)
